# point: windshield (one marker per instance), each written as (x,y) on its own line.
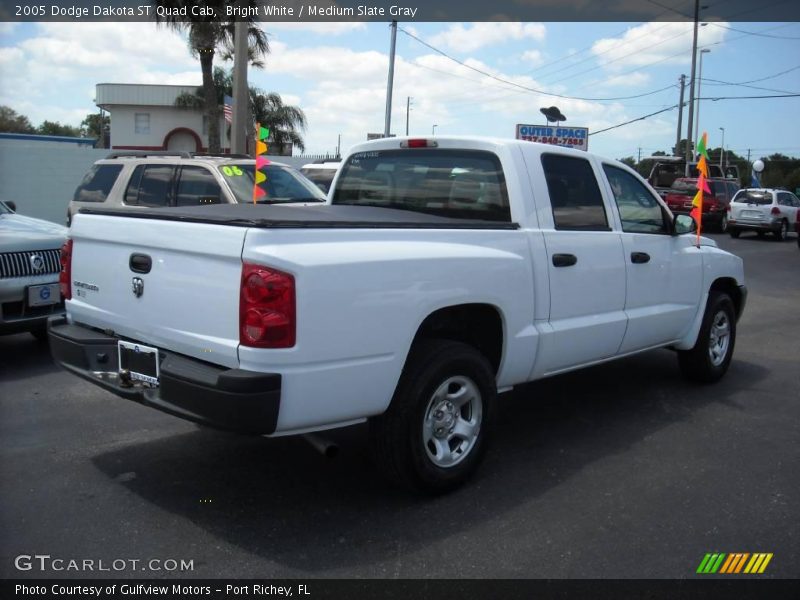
(282,185)
(322,177)
(462,184)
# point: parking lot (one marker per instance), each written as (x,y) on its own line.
(622,470)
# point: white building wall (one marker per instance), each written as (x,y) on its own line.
(163,119)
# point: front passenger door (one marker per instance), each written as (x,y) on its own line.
(664,272)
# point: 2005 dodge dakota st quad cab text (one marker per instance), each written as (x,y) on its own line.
(440,272)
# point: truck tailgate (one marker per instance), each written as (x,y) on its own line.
(189,300)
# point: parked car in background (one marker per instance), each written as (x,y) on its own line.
(666,169)
(157,179)
(30,263)
(321,173)
(764,210)
(715,205)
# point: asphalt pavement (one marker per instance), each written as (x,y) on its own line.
(623,470)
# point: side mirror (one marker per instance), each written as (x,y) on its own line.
(11,205)
(683,224)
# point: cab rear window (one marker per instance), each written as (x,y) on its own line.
(97,183)
(462,184)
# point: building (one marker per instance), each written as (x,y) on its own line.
(144,117)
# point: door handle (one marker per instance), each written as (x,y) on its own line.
(140,263)
(564,260)
(640,257)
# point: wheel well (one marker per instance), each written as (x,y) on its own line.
(478,325)
(730,287)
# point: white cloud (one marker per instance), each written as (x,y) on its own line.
(478,35)
(533,57)
(7,27)
(665,43)
(628,80)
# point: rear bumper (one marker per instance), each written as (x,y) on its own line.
(230,399)
(767,226)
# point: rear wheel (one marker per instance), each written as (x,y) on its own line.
(708,360)
(735,233)
(782,232)
(723,223)
(434,433)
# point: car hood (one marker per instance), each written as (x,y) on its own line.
(18,233)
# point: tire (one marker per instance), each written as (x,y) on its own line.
(723,223)
(416,441)
(782,233)
(708,361)
(734,233)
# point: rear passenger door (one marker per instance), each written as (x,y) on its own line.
(586,268)
(150,185)
(196,186)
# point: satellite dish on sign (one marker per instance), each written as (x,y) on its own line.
(552,114)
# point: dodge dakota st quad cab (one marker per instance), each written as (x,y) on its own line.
(439,273)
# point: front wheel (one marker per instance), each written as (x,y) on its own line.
(434,433)
(711,355)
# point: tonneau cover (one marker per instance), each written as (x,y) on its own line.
(296,217)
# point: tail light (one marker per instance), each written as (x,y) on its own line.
(65,277)
(267,316)
(419,143)
(775,210)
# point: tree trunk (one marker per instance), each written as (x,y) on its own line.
(210,97)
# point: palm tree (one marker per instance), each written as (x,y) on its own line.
(207,35)
(285,122)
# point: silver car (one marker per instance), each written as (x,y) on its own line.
(30,264)
(763,210)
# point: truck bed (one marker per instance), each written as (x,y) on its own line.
(301,217)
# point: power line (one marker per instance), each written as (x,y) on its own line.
(523,87)
(755,33)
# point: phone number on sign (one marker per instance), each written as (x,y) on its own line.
(560,141)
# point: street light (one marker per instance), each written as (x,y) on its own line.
(699,81)
(722,150)
(433,130)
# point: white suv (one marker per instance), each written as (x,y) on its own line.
(156,179)
(763,210)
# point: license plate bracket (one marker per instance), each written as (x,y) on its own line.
(140,361)
(44,295)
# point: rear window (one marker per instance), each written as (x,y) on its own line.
(461,184)
(97,183)
(753,197)
(684,186)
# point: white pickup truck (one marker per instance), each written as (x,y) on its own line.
(440,272)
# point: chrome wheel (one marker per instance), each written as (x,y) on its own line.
(452,421)
(719,338)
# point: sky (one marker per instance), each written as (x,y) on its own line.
(337,73)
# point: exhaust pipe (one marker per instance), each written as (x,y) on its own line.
(324,446)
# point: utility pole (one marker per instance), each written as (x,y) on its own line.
(240,116)
(339,147)
(680,118)
(699,84)
(388,124)
(638,160)
(408,110)
(689,154)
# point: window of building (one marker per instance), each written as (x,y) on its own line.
(141,123)
(574,194)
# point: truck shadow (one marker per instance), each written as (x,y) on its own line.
(23,357)
(280,500)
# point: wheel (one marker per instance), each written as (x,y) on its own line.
(760,234)
(723,223)
(734,233)
(40,334)
(711,355)
(782,232)
(435,431)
